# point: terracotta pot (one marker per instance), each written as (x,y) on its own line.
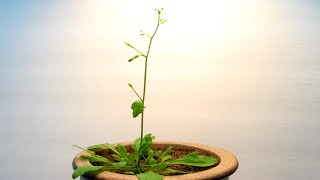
(228,163)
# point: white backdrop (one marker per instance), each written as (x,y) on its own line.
(239,75)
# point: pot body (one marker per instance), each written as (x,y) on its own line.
(227,165)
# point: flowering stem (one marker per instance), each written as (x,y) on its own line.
(145,78)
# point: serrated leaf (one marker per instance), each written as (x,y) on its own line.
(85,169)
(193,159)
(149,176)
(96,158)
(137,108)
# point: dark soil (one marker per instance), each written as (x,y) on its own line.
(175,153)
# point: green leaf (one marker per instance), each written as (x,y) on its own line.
(148,138)
(165,152)
(174,171)
(143,147)
(137,108)
(119,164)
(159,166)
(88,151)
(85,169)
(98,146)
(95,147)
(96,158)
(152,161)
(167,157)
(136,144)
(134,57)
(117,157)
(112,148)
(149,176)
(193,159)
(129,172)
(159,152)
(122,150)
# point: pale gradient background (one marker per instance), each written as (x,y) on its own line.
(240,75)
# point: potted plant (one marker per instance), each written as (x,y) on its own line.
(145,159)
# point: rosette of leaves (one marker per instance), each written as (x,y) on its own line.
(144,162)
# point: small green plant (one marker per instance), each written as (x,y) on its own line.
(144,162)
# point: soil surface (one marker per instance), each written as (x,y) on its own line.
(175,153)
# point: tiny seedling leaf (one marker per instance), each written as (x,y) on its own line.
(149,176)
(137,108)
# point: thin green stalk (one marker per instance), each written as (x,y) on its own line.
(145,79)
(135,92)
(145,76)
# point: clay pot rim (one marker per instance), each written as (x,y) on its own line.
(228,163)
